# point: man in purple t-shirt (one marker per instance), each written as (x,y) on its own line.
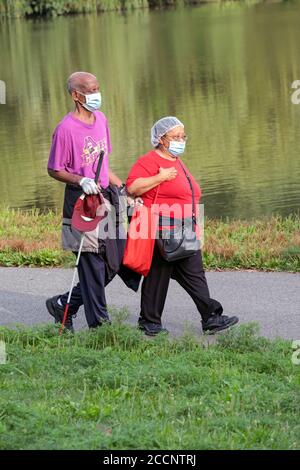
(77,142)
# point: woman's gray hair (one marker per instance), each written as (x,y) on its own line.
(161,127)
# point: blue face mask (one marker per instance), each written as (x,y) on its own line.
(176,148)
(92,101)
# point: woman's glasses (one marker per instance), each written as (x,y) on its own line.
(178,138)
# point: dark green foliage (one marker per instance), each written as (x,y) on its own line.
(63,7)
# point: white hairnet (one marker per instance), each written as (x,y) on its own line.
(163,126)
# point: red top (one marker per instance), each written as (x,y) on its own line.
(176,193)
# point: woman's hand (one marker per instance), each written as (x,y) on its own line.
(167,174)
(134,202)
(142,185)
(138,201)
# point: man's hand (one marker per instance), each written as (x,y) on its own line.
(89,186)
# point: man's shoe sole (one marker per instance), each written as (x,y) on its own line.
(221,328)
(52,311)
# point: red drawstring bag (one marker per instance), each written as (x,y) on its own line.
(141,238)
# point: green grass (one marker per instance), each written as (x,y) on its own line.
(113,389)
(32,238)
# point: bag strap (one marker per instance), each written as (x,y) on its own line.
(156,194)
(193,194)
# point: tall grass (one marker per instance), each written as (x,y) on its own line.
(32,238)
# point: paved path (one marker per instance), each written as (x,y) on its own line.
(271,299)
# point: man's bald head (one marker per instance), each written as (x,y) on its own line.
(84,82)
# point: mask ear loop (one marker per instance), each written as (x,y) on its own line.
(167,148)
(163,137)
(77,101)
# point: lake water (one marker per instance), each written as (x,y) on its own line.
(226,71)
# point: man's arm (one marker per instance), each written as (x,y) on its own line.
(131,201)
(65,177)
(114,179)
(88,184)
(69,178)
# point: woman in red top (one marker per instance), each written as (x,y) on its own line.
(162,167)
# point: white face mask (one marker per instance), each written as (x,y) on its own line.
(176,148)
(92,101)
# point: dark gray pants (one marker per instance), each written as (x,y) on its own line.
(90,291)
(189,273)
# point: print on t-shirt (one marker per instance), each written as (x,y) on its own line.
(91,150)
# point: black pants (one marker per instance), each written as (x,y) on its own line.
(189,273)
(90,291)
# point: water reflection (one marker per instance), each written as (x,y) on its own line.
(226,71)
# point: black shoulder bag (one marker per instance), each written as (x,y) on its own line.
(177,237)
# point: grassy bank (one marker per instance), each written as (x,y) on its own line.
(33,239)
(29,8)
(112,389)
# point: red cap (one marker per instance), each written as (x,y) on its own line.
(88,212)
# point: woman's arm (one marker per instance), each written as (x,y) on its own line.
(142,185)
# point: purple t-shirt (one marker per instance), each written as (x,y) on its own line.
(76,147)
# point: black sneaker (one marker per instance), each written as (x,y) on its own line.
(218,323)
(57,311)
(104,321)
(151,329)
